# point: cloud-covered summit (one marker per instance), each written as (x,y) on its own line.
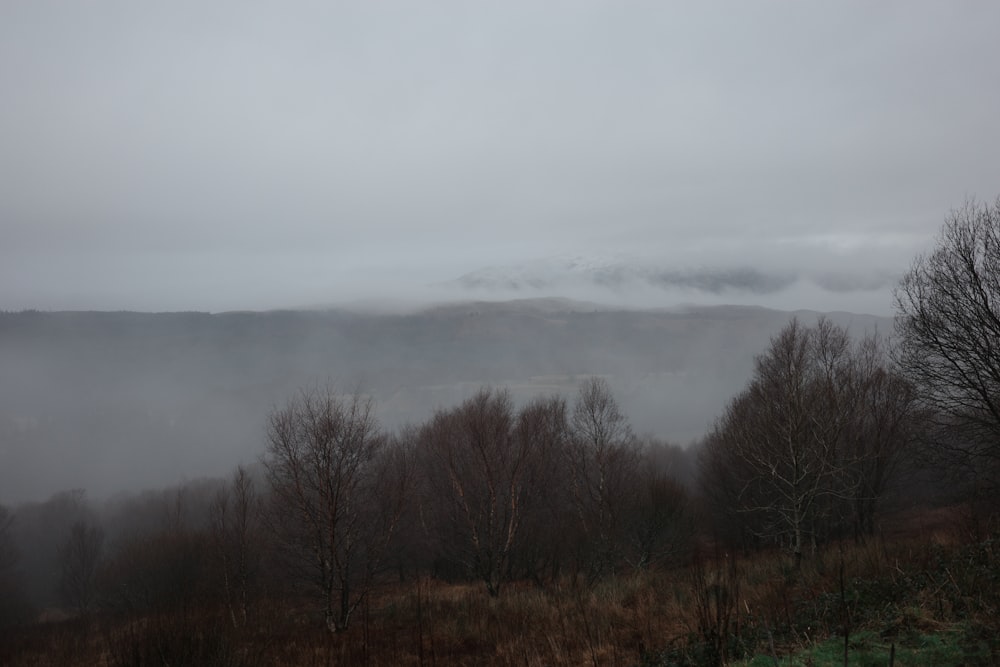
(622,277)
(554,273)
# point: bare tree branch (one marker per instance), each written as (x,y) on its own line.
(948,324)
(338,485)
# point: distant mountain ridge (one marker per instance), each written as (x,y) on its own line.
(125,399)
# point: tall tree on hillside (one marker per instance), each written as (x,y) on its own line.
(603,459)
(778,443)
(486,468)
(8,553)
(948,324)
(236,531)
(542,430)
(812,445)
(79,559)
(338,485)
(14,607)
(885,423)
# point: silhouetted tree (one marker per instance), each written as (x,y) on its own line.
(79,560)
(777,448)
(338,485)
(486,470)
(40,530)
(542,427)
(948,324)
(885,423)
(603,458)
(14,606)
(236,532)
(8,552)
(721,490)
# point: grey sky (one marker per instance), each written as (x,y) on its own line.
(222,155)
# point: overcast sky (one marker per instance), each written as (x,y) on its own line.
(225,155)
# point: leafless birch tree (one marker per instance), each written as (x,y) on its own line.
(338,485)
(780,439)
(486,470)
(236,531)
(603,458)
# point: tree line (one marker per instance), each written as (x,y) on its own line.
(486,491)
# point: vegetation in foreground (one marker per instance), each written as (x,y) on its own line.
(916,599)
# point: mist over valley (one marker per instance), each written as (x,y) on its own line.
(115,401)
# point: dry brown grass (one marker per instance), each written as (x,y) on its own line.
(612,623)
(722,607)
(420,623)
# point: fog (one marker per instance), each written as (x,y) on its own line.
(262,155)
(118,401)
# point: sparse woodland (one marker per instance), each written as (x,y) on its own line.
(842,512)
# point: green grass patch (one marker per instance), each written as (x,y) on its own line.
(961,645)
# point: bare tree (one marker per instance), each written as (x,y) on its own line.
(79,560)
(487,469)
(884,424)
(338,486)
(659,526)
(948,324)
(542,429)
(778,444)
(236,531)
(40,529)
(720,486)
(603,458)
(8,553)
(14,606)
